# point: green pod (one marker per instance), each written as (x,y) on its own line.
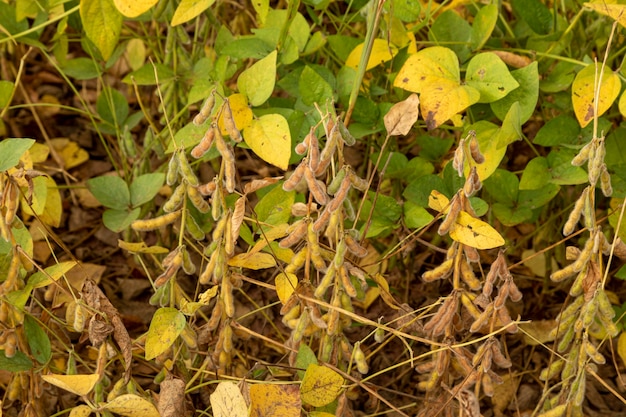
(347,137)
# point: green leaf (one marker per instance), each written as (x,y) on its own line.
(563,129)
(81,68)
(18,363)
(560,77)
(489,75)
(257,82)
(483,25)
(18,298)
(313,88)
(166,325)
(247,47)
(146,75)
(406,10)
(526,94)
(533,199)
(452,31)
(11,150)
(112,106)
(190,135)
(274,208)
(10,24)
(188,9)
(535,13)
(502,186)
(385,216)
(562,170)
(343,45)
(315,43)
(418,191)
(536,174)
(6,89)
(111,191)
(145,187)
(102,23)
(270,138)
(511,215)
(38,340)
(304,358)
(119,220)
(416,217)
(511,129)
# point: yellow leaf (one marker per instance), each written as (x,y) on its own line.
(270,234)
(76,384)
(166,325)
(382,52)
(133,8)
(621,346)
(39,153)
(621,104)
(254,261)
(320,414)
(269,137)
(438,201)
(285,285)
(227,401)
(476,233)
(434,73)
(72,154)
(188,9)
(583,93)
(274,400)
(54,206)
(615,205)
(320,385)
(50,274)
(80,411)
(538,331)
(102,23)
(241,113)
(614,11)
(131,405)
(135,53)
(257,82)
(486,132)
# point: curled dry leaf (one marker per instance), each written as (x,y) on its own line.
(96,299)
(402,116)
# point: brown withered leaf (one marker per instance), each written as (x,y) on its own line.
(99,330)
(402,116)
(172,398)
(95,298)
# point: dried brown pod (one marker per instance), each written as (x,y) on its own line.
(292,182)
(296,232)
(205,110)
(316,187)
(205,143)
